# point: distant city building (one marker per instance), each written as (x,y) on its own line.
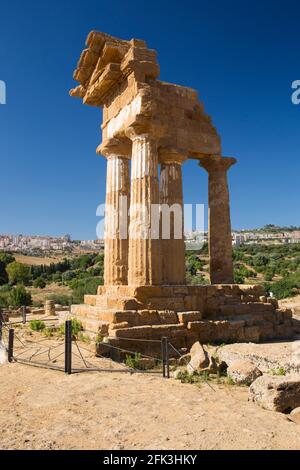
(193,240)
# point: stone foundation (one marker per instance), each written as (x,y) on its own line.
(185,314)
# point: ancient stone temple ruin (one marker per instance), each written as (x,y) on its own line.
(149,129)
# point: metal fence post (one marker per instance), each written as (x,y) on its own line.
(10,350)
(24,314)
(165,357)
(68,347)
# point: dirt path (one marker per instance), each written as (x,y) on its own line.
(43,409)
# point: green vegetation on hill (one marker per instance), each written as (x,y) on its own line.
(83,274)
(275,266)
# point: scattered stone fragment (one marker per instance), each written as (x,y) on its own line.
(276,393)
(199,358)
(295,415)
(243,372)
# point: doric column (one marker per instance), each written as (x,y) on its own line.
(172,229)
(144,262)
(219,226)
(116,213)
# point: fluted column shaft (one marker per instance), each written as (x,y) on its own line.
(219,230)
(116,221)
(172,236)
(144,263)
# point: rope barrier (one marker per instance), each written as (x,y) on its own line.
(43,365)
(130,352)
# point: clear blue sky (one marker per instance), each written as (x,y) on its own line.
(240,55)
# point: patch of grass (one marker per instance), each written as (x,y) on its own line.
(229,380)
(84,338)
(50,331)
(187,378)
(134,362)
(37,325)
(280,371)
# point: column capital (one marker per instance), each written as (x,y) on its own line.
(213,164)
(115,148)
(169,155)
(135,134)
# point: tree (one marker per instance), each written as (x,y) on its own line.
(18,273)
(6,258)
(3,274)
(19,296)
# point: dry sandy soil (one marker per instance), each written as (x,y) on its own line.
(43,409)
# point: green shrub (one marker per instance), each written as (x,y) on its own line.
(197,280)
(286,287)
(76,327)
(39,282)
(81,287)
(238,277)
(37,325)
(134,362)
(5,296)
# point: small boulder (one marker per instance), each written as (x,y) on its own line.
(295,415)
(276,393)
(199,358)
(243,372)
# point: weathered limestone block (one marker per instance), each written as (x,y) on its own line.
(276,393)
(256,290)
(286,313)
(283,331)
(243,372)
(186,317)
(151,332)
(90,299)
(118,326)
(199,358)
(267,330)
(252,334)
(237,331)
(192,302)
(167,317)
